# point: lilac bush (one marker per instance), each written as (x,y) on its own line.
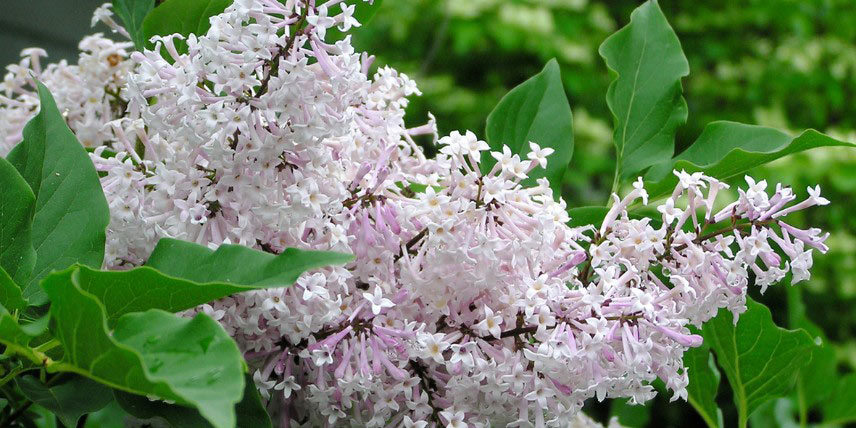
(471,301)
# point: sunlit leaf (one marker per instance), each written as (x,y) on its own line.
(236,264)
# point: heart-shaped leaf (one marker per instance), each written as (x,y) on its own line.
(760,359)
(192,362)
(815,381)
(538,111)
(646,97)
(71,213)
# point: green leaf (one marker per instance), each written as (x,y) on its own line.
(704,384)
(184,17)
(584,216)
(815,380)
(132,13)
(777,413)
(71,213)
(417,187)
(68,400)
(760,359)
(630,415)
(840,408)
(250,411)
(17,336)
(109,417)
(363,13)
(10,293)
(538,111)
(188,275)
(190,361)
(727,149)
(236,264)
(17,207)
(646,96)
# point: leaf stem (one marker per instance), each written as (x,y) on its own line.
(615,181)
(14,373)
(47,346)
(803,411)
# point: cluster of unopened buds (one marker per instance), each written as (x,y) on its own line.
(471,301)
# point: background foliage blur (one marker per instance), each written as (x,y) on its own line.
(790,64)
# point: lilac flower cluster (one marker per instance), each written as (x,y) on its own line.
(471,301)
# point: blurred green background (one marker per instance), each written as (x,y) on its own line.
(784,63)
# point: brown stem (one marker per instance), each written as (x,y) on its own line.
(429,386)
(723,231)
(273,68)
(412,242)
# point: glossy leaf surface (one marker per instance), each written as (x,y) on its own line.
(71,213)
(188,361)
